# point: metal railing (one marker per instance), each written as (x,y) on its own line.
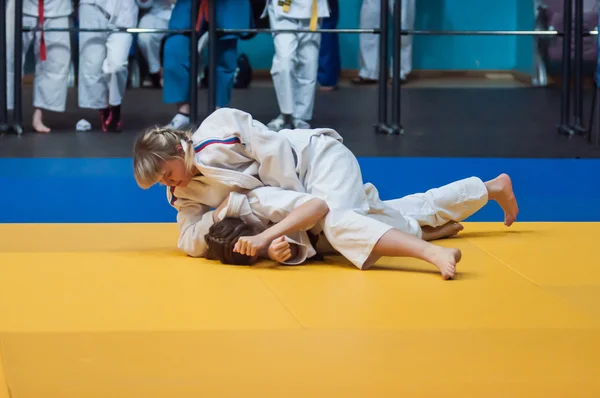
(194,36)
(4,126)
(383,125)
(565,126)
(17,123)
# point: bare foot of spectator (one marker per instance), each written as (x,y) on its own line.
(38,124)
(327,88)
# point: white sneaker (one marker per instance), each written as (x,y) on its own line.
(300,124)
(178,122)
(278,124)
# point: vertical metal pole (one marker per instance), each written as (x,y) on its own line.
(382,126)
(3,93)
(212,56)
(564,127)
(194,63)
(578,113)
(593,108)
(397,43)
(18,69)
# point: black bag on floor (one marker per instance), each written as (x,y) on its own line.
(243,73)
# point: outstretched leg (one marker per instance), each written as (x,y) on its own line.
(363,240)
(457,201)
(396,243)
(500,190)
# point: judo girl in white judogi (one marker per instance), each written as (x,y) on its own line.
(296,60)
(52,53)
(104,57)
(431,215)
(158,13)
(231,151)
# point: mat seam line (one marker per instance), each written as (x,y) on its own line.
(550,293)
(4,385)
(281,302)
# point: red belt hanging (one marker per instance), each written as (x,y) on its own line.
(41,19)
(202,14)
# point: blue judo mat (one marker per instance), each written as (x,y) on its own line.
(103,190)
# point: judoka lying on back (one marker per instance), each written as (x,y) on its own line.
(275,223)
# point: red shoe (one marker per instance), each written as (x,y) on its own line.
(113,122)
(104,115)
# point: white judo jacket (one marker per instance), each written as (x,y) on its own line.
(120,13)
(52,8)
(159,8)
(266,206)
(235,153)
(298,9)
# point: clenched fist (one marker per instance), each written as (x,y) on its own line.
(250,245)
(280,250)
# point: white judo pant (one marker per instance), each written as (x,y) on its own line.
(354,235)
(295,66)
(369,43)
(149,43)
(358,218)
(103,61)
(52,75)
(332,173)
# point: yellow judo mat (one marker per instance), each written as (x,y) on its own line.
(116,311)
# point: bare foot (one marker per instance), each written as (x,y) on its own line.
(445,259)
(38,124)
(327,88)
(445,231)
(500,189)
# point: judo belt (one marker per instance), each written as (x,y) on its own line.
(41,22)
(202,14)
(314,15)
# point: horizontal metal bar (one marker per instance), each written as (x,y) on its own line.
(416,32)
(489,33)
(151,30)
(372,31)
(111,30)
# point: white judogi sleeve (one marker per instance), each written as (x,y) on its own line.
(275,204)
(270,204)
(52,8)
(194,220)
(231,139)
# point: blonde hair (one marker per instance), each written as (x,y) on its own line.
(154,148)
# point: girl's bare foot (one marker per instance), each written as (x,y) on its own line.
(38,124)
(500,189)
(445,259)
(445,231)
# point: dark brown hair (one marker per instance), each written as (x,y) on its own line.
(222,237)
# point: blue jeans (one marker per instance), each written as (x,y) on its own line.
(176,62)
(329,54)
